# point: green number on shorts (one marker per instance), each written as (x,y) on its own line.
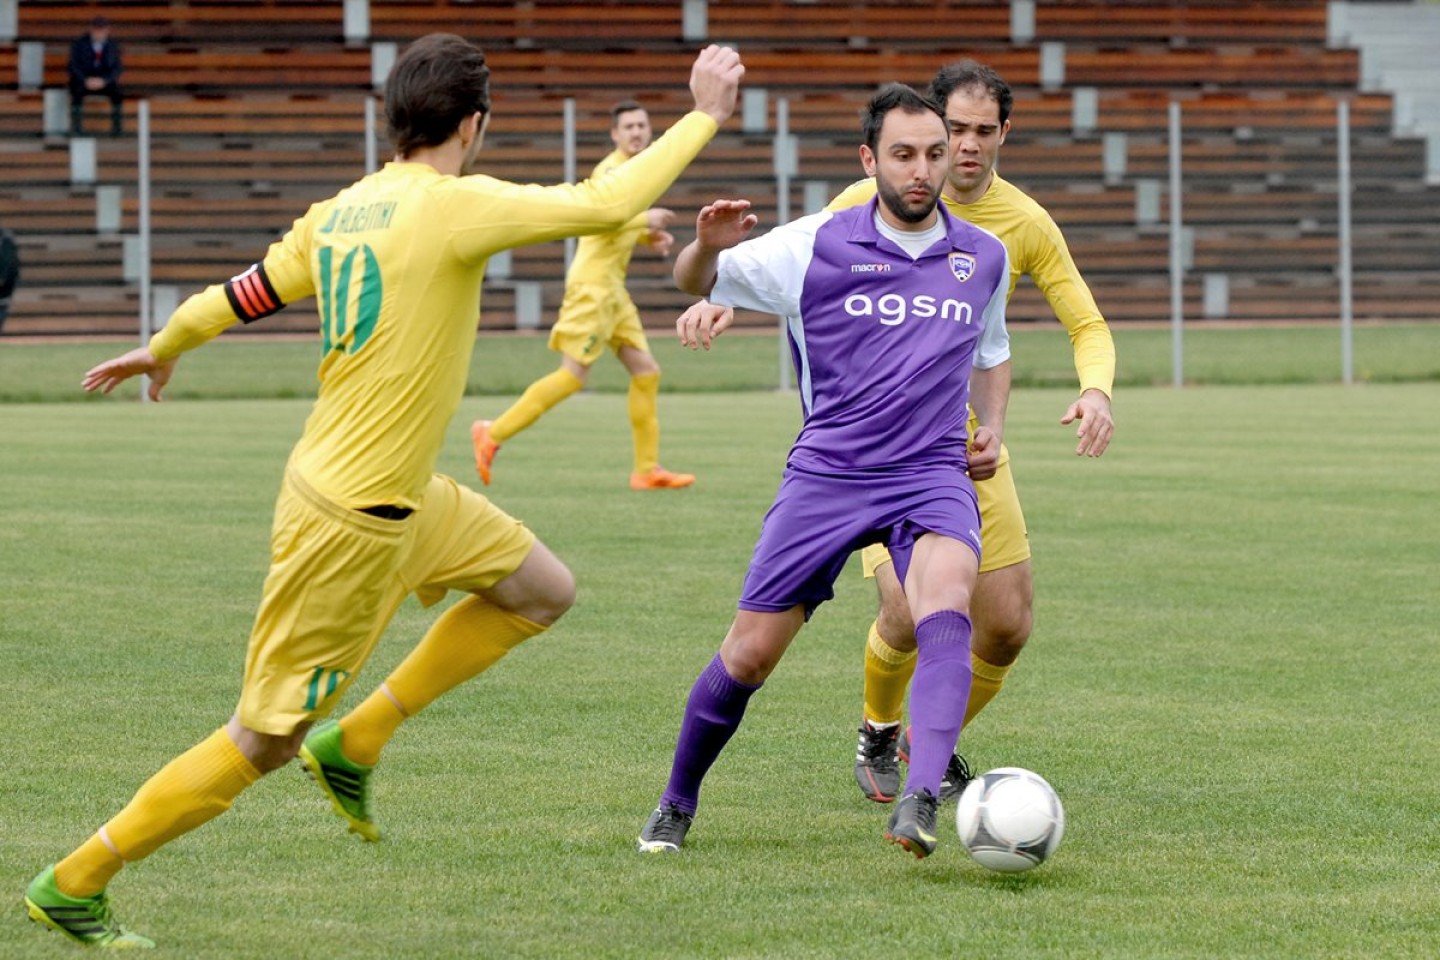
(327,678)
(335,305)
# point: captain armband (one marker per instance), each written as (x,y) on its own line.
(251,296)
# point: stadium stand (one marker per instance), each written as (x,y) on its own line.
(187,23)
(257,107)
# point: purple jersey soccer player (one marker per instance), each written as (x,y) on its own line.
(888,305)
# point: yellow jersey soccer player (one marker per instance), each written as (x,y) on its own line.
(396,262)
(598,314)
(977,105)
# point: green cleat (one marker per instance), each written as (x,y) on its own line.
(86,920)
(345,782)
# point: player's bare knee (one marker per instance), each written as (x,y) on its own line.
(559,598)
(266,751)
(276,756)
(639,363)
(750,665)
(1000,642)
(750,658)
(579,371)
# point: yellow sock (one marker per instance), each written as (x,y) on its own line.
(467,639)
(985,681)
(644,406)
(887,674)
(192,789)
(367,728)
(540,396)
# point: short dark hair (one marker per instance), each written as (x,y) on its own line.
(967,74)
(100,23)
(624,106)
(436,83)
(893,96)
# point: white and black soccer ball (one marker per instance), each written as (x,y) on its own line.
(1010,819)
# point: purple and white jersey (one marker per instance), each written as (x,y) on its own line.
(883,344)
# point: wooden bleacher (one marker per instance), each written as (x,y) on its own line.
(1177,24)
(186,22)
(548,25)
(154,69)
(854,24)
(257,109)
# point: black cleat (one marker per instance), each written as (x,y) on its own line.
(876,769)
(912,825)
(665,831)
(957,771)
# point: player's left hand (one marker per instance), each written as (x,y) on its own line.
(662,242)
(110,374)
(724,223)
(1097,426)
(702,322)
(983,454)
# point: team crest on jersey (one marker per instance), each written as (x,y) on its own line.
(962,265)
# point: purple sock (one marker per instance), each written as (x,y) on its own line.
(712,714)
(937,697)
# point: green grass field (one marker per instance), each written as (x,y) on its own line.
(253,368)
(1229,685)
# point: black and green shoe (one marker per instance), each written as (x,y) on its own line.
(346,783)
(86,920)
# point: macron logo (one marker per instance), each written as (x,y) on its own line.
(869,268)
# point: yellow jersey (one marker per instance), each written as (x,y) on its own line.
(1036,248)
(396,261)
(603,258)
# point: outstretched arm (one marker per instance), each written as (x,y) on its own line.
(720,226)
(110,374)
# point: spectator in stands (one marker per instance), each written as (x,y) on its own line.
(9,272)
(95,69)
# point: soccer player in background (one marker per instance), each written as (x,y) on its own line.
(977,104)
(887,305)
(598,314)
(396,261)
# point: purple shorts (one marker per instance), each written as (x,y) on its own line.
(817,521)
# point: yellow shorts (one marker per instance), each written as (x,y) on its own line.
(595,317)
(337,577)
(1004,541)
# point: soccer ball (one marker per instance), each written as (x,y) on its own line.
(1010,819)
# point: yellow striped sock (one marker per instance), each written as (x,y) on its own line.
(887,674)
(467,640)
(190,790)
(986,681)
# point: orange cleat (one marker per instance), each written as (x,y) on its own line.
(658,478)
(485,449)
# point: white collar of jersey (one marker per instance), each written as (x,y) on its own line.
(913,242)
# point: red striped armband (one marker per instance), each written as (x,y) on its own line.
(251,296)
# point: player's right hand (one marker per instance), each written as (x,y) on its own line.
(715,81)
(724,223)
(983,454)
(702,322)
(110,374)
